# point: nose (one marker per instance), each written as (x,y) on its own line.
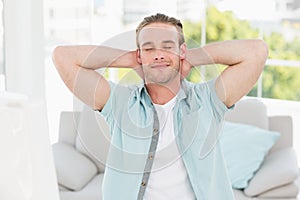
(159,55)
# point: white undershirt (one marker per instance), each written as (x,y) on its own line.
(168,178)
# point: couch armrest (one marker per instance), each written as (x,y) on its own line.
(68,127)
(73,169)
(279,168)
(283,125)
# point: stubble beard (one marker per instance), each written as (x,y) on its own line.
(161,76)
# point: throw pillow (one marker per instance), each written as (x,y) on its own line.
(73,169)
(93,138)
(244,148)
(279,168)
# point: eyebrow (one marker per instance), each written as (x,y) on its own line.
(168,41)
(164,42)
(147,43)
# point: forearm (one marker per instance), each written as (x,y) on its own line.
(227,53)
(102,56)
(93,57)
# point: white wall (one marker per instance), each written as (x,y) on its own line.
(24,50)
(32,168)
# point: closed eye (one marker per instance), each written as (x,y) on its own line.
(148,49)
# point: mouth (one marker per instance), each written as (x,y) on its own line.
(160,65)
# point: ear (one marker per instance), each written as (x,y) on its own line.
(183,51)
(138,56)
(185,65)
(139,68)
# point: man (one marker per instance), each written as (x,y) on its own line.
(164,132)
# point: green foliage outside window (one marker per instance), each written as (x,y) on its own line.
(279,82)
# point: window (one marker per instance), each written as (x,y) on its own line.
(2,65)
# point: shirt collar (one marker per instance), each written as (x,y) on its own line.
(182,93)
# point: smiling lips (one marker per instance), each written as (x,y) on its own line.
(160,65)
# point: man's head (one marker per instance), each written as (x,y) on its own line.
(160,18)
(161,48)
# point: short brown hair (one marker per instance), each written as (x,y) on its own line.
(163,19)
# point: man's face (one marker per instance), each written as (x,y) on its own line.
(160,53)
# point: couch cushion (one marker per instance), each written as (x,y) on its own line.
(239,195)
(279,168)
(62,188)
(93,137)
(285,191)
(284,125)
(67,127)
(249,111)
(92,191)
(244,148)
(73,169)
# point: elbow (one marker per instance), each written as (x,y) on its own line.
(264,49)
(57,56)
(261,52)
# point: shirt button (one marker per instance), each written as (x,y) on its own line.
(155,131)
(150,157)
(143,184)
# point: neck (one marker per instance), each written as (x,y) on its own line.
(162,93)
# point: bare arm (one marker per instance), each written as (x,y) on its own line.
(76,65)
(245,60)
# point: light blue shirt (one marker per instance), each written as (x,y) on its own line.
(198,117)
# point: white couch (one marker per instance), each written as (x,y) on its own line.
(84,141)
